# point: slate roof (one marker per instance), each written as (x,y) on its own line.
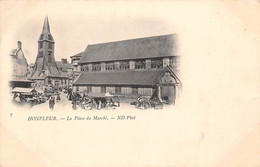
(79,55)
(20,80)
(64,67)
(46,33)
(150,47)
(61,66)
(130,77)
(51,70)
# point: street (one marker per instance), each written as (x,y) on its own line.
(65,104)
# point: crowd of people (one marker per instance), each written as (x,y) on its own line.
(35,98)
(87,102)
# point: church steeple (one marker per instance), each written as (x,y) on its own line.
(46,26)
(46,43)
(45,64)
(46,32)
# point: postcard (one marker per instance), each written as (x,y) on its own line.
(130,83)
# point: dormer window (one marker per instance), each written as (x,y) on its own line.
(41,36)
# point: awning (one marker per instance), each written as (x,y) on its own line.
(23,90)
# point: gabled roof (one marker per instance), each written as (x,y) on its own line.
(64,67)
(13,52)
(150,47)
(131,77)
(79,55)
(50,70)
(69,66)
(61,66)
(20,80)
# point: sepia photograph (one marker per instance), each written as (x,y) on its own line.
(123,83)
(142,72)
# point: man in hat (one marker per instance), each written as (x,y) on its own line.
(51,103)
(58,97)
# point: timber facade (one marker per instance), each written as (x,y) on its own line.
(136,67)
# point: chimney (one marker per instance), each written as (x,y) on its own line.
(64,61)
(19,45)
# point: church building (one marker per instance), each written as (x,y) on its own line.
(132,68)
(46,71)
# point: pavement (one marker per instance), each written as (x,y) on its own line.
(65,104)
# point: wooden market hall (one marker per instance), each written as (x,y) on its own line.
(131,68)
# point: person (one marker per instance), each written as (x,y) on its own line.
(94,103)
(15,95)
(74,102)
(52,103)
(99,104)
(58,97)
(17,98)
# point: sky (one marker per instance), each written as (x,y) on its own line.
(219,48)
(75,25)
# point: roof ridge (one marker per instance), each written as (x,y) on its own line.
(132,39)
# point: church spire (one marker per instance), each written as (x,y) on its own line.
(46,33)
(46,26)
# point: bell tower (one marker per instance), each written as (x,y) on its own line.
(45,64)
(46,43)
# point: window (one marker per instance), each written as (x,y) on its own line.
(89,89)
(140,64)
(157,63)
(103,89)
(50,46)
(110,66)
(124,65)
(49,81)
(50,57)
(118,89)
(50,37)
(171,61)
(135,90)
(40,54)
(85,68)
(41,45)
(41,36)
(77,88)
(96,67)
